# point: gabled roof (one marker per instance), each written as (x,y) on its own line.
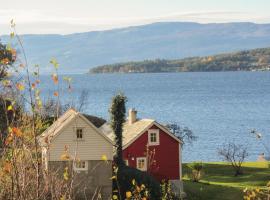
(50,133)
(133,131)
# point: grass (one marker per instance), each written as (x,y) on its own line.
(219,182)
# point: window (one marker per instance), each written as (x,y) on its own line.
(81,165)
(141,163)
(79,133)
(153,137)
(126,162)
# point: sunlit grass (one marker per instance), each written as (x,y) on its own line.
(219,181)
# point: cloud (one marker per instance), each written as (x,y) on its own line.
(41,21)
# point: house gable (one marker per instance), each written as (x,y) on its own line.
(92,146)
(166,158)
(159,126)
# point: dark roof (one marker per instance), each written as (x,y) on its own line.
(97,121)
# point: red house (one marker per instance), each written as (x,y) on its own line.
(150,146)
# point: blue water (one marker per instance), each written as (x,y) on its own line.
(219,107)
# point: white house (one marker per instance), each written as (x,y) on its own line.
(73,138)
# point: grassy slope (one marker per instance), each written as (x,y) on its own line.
(219,182)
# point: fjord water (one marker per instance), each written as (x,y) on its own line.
(219,107)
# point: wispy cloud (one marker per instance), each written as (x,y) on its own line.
(40,21)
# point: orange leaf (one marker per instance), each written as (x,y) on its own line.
(17,132)
(8,140)
(7,167)
(55,78)
(55,94)
(33,85)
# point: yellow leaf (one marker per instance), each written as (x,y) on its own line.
(128,194)
(54,62)
(12,34)
(9,108)
(104,158)
(115,197)
(20,86)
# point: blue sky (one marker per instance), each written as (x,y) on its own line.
(69,16)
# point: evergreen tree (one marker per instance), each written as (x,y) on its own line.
(118,117)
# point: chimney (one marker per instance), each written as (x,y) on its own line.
(132,116)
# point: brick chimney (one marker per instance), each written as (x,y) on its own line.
(132,116)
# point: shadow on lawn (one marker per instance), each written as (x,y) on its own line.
(224,174)
(202,191)
(218,181)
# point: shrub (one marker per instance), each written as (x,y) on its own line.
(196,168)
(125,177)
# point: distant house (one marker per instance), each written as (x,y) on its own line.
(78,136)
(150,146)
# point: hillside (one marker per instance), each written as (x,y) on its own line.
(78,52)
(258,59)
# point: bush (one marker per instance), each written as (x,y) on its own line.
(126,175)
(196,168)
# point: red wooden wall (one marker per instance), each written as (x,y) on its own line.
(166,158)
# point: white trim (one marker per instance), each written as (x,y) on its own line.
(145,163)
(126,162)
(150,132)
(80,169)
(180,161)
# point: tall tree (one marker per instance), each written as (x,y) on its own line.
(118,117)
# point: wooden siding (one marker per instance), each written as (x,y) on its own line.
(92,147)
(167,155)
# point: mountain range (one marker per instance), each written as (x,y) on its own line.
(79,52)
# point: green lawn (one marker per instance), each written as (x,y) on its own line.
(219,183)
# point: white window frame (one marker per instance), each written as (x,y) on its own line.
(145,162)
(76,128)
(126,162)
(155,131)
(79,168)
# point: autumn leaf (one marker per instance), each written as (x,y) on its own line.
(65,156)
(33,85)
(7,167)
(8,140)
(5,61)
(54,62)
(37,81)
(104,158)
(20,86)
(66,174)
(9,108)
(55,78)
(17,132)
(128,194)
(55,94)
(6,83)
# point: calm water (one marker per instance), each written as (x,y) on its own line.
(218,107)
